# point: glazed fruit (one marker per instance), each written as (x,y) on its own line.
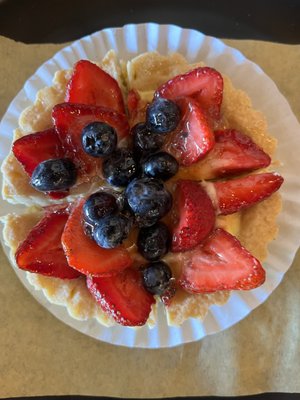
(136,107)
(123,297)
(135,151)
(154,242)
(119,168)
(233,153)
(48,144)
(69,121)
(99,139)
(148,198)
(221,263)
(90,84)
(162,116)
(160,165)
(85,255)
(237,194)
(156,277)
(144,140)
(99,205)
(111,231)
(55,174)
(41,252)
(194,137)
(204,84)
(195,216)
(143,221)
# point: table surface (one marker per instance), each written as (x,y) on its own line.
(71,19)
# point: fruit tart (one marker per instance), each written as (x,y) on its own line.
(146,181)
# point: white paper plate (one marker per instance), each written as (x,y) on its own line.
(128,42)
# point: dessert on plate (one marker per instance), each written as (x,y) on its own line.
(147,181)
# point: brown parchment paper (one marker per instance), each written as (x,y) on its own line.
(39,355)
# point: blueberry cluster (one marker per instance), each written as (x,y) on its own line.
(140,197)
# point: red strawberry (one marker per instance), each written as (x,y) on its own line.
(136,107)
(195,213)
(89,84)
(237,194)
(221,263)
(42,252)
(70,119)
(30,150)
(204,84)
(123,297)
(133,99)
(193,138)
(85,255)
(233,153)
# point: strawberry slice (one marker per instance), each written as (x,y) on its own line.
(41,252)
(204,84)
(136,107)
(133,99)
(195,213)
(89,84)
(85,255)
(194,137)
(233,153)
(237,194)
(221,263)
(70,119)
(123,297)
(32,149)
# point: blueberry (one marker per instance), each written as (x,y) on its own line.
(153,243)
(145,141)
(160,165)
(99,205)
(148,198)
(54,174)
(119,168)
(146,221)
(99,139)
(111,231)
(156,277)
(162,116)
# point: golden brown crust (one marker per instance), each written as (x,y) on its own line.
(255,227)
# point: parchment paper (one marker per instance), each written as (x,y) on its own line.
(39,355)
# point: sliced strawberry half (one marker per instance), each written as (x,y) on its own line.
(195,215)
(89,84)
(41,252)
(204,84)
(32,149)
(85,255)
(194,137)
(233,153)
(237,194)
(221,263)
(69,121)
(123,297)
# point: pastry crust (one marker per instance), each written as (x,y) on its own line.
(255,227)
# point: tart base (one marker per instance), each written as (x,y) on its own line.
(255,227)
